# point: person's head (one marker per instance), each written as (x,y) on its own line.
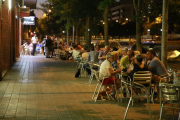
(75,46)
(150,54)
(86,48)
(109,57)
(34,35)
(138,58)
(130,53)
(97,47)
(78,43)
(124,51)
(48,37)
(116,55)
(106,49)
(44,39)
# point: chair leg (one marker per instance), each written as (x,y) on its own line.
(95,91)
(173,111)
(179,113)
(148,105)
(91,77)
(98,92)
(160,117)
(127,108)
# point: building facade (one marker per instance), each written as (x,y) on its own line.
(10,32)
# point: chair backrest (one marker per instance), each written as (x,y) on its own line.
(56,51)
(169,92)
(142,77)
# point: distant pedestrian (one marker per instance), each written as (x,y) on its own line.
(48,46)
(34,41)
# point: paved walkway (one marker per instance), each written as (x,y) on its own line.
(39,88)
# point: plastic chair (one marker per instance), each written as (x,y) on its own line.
(100,84)
(81,64)
(169,95)
(93,71)
(141,80)
(57,53)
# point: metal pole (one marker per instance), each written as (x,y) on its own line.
(164,32)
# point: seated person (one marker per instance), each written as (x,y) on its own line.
(78,46)
(115,63)
(106,72)
(61,46)
(86,51)
(157,68)
(97,48)
(75,52)
(124,52)
(138,65)
(91,57)
(127,60)
(102,54)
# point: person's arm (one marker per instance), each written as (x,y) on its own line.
(111,72)
(88,57)
(131,67)
(100,57)
(146,64)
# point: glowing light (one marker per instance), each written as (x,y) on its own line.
(103,22)
(148,30)
(116,20)
(126,18)
(9,4)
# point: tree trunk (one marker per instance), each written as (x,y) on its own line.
(67,35)
(87,27)
(137,6)
(106,25)
(164,32)
(77,34)
(73,34)
(89,38)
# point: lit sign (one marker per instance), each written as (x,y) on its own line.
(29,20)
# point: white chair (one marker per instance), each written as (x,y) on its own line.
(57,53)
(141,80)
(100,84)
(169,95)
(81,64)
(93,71)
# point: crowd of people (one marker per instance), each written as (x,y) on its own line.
(128,61)
(110,63)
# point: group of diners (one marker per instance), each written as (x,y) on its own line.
(130,62)
(49,44)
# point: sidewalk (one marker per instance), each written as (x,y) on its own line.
(39,88)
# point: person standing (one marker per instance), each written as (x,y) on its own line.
(48,46)
(34,41)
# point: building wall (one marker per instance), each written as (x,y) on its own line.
(6,36)
(123,12)
(9,42)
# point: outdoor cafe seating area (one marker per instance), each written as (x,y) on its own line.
(167,97)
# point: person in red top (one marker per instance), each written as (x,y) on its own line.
(79,46)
